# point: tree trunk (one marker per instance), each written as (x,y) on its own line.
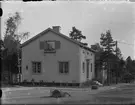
(107,74)
(117,74)
(9,73)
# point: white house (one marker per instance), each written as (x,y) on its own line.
(51,56)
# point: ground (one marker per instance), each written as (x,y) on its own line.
(122,93)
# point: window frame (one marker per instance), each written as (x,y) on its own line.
(63,71)
(36,67)
(50,50)
(56,46)
(83,67)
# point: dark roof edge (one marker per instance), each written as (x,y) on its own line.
(88,49)
(78,43)
(34,38)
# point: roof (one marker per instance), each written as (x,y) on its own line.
(62,35)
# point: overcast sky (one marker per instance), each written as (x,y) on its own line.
(91,18)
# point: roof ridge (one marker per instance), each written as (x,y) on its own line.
(79,43)
(62,35)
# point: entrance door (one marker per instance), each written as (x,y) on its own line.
(87,64)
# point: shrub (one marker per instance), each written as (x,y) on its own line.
(33,82)
(87,83)
(94,87)
(25,82)
(41,82)
(55,93)
(58,93)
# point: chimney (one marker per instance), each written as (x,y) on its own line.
(56,28)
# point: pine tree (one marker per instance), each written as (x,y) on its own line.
(107,43)
(76,34)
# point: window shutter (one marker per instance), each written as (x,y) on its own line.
(83,67)
(45,45)
(41,45)
(57,44)
(66,67)
(60,67)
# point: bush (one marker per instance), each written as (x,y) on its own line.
(41,82)
(128,78)
(87,83)
(55,93)
(58,93)
(33,82)
(94,87)
(25,82)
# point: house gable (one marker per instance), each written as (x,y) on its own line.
(61,35)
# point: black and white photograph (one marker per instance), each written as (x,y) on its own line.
(68,52)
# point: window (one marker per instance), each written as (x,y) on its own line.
(49,46)
(88,64)
(64,67)
(83,65)
(36,67)
(91,67)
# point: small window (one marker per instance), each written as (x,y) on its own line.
(83,67)
(91,67)
(36,67)
(50,46)
(64,67)
(91,54)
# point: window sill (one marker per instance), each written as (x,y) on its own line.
(36,73)
(45,51)
(64,73)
